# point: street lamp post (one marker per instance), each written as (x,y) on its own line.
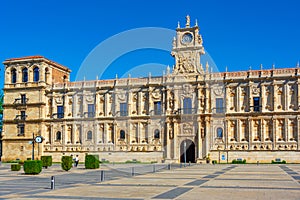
(184,144)
(32,146)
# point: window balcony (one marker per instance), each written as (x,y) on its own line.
(20,101)
(21,117)
(187,111)
(58,115)
(89,114)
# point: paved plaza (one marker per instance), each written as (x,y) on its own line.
(155,181)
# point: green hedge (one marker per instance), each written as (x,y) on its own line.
(15,167)
(47,161)
(32,166)
(214,162)
(133,161)
(276,162)
(91,162)
(239,161)
(66,162)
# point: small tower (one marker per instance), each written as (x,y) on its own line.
(187,49)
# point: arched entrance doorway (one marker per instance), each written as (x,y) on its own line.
(187,149)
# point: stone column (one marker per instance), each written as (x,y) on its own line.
(262,130)
(238,137)
(176,149)
(263,98)
(286,129)
(250,133)
(274,133)
(238,99)
(106,101)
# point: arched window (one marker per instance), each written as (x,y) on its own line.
(219,132)
(13,76)
(58,135)
(156,134)
(36,74)
(24,75)
(122,134)
(89,135)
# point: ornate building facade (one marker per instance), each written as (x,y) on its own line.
(189,114)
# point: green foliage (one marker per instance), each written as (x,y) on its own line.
(214,162)
(238,161)
(32,166)
(91,161)
(104,161)
(15,167)
(278,162)
(66,162)
(133,161)
(47,161)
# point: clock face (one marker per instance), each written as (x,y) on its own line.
(38,139)
(187,38)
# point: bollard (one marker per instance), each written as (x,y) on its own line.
(132,171)
(102,176)
(180,165)
(153,168)
(189,163)
(52,183)
(257,162)
(169,166)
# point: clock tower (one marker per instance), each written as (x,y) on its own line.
(187,49)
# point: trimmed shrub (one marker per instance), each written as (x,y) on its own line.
(238,161)
(47,161)
(66,162)
(214,162)
(15,167)
(32,166)
(133,161)
(91,161)
(278,162)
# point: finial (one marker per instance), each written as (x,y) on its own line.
(261,66)
(250,67)
(149,74)
(206,67)
(83,78)
(178,24)
(188,21)
(129,75)
(116,76)
(168,69)
(298,64)
(97,77)
(196,23)
(226,69)
(273,66)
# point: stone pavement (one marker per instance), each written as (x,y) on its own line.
(156,182)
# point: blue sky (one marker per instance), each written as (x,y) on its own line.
(237,34)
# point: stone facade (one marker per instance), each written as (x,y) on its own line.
(252,115)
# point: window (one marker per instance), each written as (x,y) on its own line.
(122,134)
(89,135)
(256,104)
(13,76)
(219,105)
(187,106)
(219,132)
(60,112)
(21,128)
(36,74)
(157,108)
(24,75)
(123,109)
(156,134)
(58,135)
(23,98)
(23,115)
(91,110)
